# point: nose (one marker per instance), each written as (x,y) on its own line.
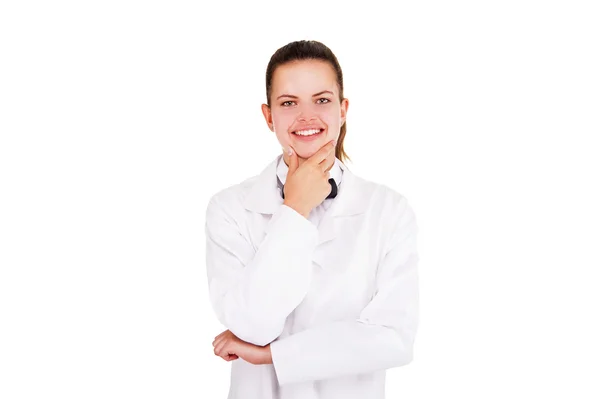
(301,118)
(306,114)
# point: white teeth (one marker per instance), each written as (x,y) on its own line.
(308,132)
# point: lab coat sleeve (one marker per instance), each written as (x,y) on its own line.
(252,291)
(381,338)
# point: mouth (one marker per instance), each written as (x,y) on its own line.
(308,134)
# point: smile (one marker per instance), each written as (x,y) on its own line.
(308,133)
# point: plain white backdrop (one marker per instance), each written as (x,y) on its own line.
(119,119)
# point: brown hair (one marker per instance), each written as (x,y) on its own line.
(309,50)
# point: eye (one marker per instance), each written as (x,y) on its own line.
(285,102)
(328,101)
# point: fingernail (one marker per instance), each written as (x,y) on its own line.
(289,150)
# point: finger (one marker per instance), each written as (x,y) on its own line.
(293,162)
(328,162)
(217,339)
(227,353)
(222,334)
(227,358)
(220,347)
(227,348)
(220,338)
(323,152)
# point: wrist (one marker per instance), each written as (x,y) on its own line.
(298,209)
(268,359)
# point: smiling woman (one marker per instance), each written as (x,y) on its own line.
(306,82)
(312,269)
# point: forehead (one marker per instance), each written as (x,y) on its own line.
(306,76)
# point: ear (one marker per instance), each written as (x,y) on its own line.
(344,110)
(268,117)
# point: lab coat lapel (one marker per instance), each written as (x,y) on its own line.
(263,195)
(349,201)
(339,221)
(339,227)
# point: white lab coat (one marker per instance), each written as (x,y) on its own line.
(338,302)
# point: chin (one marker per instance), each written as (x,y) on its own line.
(307,151)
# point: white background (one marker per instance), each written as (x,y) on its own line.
(119,119)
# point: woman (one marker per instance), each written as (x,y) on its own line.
(312,269)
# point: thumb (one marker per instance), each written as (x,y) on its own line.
(293,161)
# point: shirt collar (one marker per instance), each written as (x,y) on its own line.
(335,172)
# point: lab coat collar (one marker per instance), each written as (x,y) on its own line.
(352,199)
(335,172)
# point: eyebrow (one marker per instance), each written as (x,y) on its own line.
(314,95)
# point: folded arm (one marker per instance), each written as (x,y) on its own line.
(382,337)
(253,291)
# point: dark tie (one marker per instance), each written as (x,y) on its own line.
(332,194)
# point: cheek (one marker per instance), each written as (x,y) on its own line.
(331,114)
(332,119)
(283,119)
(282,123)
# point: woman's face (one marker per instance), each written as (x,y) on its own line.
(305,95)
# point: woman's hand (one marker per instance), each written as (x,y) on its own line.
(306,186)
(230,347)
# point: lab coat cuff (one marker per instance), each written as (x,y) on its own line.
(293,223)
(283,354)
